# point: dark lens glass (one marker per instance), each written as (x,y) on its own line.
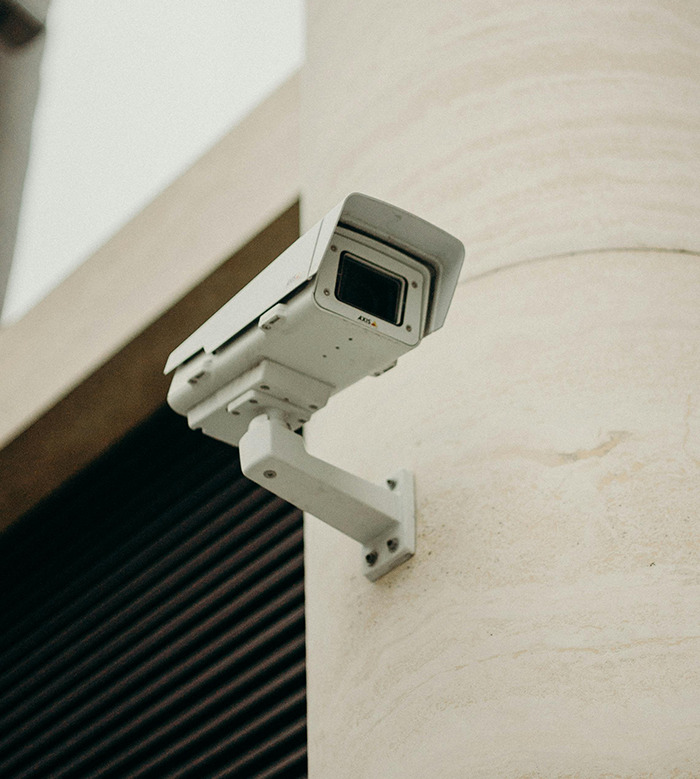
(370,289)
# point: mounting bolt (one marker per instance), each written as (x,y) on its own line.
(392,544)
(269,474)
(371,558)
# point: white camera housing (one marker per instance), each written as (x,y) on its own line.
(346,300)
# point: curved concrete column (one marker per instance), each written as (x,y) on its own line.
(530,128)
(549,622)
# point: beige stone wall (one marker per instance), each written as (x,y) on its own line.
(227,197)
(549,624)
(85,365)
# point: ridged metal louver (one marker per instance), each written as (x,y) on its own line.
(152,620)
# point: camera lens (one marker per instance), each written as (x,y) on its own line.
(370,289)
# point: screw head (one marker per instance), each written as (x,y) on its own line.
(391,484)
(326,292)
(409,328)
(414,284)
(371,558)
(269,474)
(392,544)
(334,248)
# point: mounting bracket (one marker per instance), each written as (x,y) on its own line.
(382,519)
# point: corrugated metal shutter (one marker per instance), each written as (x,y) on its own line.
(152,620)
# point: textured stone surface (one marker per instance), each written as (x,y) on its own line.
(528,128)
(549,624)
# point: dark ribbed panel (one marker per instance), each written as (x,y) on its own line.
(152,620)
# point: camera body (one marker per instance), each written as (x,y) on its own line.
(346,300)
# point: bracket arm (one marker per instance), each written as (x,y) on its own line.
(382,519)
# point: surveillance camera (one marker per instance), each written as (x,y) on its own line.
(346,300)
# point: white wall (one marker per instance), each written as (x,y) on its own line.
(132,94)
